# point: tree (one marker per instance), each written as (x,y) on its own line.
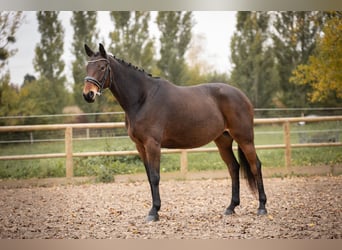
(28,79)
(323,72)
(9,94)
(175,28)
(32,100)
(48,62)
(294,37)
(130,38)
(84,24)
(10,21)
(29,100)
(9,100)
(252,57)
(199,70)
(197,67)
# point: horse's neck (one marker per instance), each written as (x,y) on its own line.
(129,87)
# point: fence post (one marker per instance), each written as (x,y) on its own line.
(184,163)
(31,137)
(68,153)
(287,142)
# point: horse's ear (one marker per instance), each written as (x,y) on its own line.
(102,51)
(89,52)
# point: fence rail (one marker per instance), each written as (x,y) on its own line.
(69,154)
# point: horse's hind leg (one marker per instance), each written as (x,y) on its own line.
(224,144)
(252,166)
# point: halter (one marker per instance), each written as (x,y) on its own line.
(100,84)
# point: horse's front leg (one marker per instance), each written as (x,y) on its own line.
(151,150)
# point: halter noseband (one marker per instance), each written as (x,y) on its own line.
(99,84)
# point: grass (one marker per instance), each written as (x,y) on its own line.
(105,167)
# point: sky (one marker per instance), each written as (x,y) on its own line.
(215,28)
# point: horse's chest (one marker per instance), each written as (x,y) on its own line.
(131,131)
(139,132)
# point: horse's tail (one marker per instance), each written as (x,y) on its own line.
(247,172)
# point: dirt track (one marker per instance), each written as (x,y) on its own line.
(298,208)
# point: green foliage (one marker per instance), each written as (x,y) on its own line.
(252,56)
(268,46)
(47,61)
(323,72)
(44,168)
(84,24)
(9,100)
(130,38)
(10,21)
(50,88)
(104,168)
(199,70)
(294,38)
(42,96)
(47,94)
(175,28)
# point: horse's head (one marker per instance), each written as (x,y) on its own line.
(98,73)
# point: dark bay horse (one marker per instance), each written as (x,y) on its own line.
(160,114)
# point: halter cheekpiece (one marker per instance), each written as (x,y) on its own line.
(99,84)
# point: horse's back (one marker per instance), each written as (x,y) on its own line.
(226,91)
(226,97)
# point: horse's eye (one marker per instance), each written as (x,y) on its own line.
(103,68)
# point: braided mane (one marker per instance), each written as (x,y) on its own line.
(128,64)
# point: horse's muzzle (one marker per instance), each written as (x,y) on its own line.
(90,96)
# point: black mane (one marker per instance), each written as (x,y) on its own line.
(128,64)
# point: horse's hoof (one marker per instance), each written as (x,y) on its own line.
(152,218)
(262,211)
(229,211)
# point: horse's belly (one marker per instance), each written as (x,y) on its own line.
(185,136)
(184,144)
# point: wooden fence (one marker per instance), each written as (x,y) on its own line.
(69,154)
